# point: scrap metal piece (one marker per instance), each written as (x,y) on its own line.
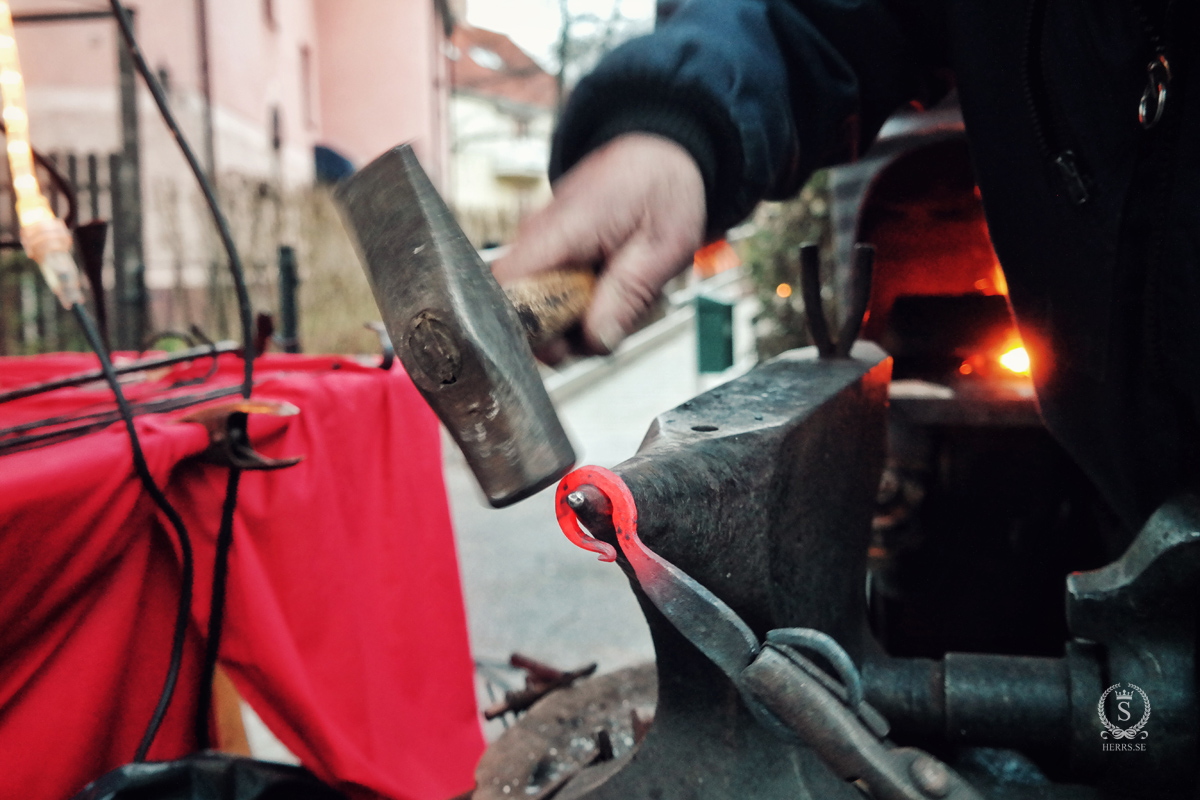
(458,337)
(556,739)
(540,681)
(228,442)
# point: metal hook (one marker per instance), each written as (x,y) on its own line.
(573,492)
(810,289)
(859,297)
(228,442)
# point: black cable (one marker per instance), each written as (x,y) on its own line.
(185,544)
(210,197)
(216,607)
(69,426)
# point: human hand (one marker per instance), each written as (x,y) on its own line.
(635,207)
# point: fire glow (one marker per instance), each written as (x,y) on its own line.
(1016,360)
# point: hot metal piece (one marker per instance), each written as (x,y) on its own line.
(696,612)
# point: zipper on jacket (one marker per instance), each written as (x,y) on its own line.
(1038,100)
(1164,141)
(1158,71)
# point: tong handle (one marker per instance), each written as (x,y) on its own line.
(821,720)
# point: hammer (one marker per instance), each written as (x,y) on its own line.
(465,343)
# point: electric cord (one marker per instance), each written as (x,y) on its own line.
(216,608)
(225,532)
(156,494)
(210,196)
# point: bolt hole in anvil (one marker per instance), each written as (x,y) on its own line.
(979,518)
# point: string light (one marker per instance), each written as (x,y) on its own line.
(45,238)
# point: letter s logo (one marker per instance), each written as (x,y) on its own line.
(1123,714)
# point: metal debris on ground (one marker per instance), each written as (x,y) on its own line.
(540,680)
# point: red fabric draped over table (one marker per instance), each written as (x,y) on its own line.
(344,627)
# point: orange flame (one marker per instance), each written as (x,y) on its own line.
(1016,360)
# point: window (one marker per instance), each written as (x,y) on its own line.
(276,129)
(306,92)
(486,58)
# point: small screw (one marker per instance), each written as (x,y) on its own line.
(931,776)
(576,500)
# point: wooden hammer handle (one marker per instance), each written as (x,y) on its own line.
(548,303)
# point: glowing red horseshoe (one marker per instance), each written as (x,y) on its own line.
(624,511)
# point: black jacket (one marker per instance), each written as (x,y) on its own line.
(1096,219)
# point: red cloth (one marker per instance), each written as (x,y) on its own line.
(344,627)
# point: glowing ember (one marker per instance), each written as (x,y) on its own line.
(1017,360)
(783,290)
(966,369)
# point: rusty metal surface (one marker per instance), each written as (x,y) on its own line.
(453,329)
(540,680)
(557,737)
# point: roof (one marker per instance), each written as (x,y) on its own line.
(488,64)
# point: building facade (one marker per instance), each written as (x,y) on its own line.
(502,115)
(256,85)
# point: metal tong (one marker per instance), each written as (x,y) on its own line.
(785,691)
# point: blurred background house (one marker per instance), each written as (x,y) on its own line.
(502,114)
(280,98)
(272,94)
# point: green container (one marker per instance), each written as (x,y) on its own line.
(714,334)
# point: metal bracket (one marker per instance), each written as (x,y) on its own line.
(229,444)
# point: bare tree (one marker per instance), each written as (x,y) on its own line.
(585,37)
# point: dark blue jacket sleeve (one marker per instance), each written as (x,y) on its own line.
(760,92)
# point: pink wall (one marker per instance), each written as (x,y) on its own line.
(365,109)
(376,71)
(256,63)
(83,51)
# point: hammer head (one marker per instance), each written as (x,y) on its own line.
(452,327)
